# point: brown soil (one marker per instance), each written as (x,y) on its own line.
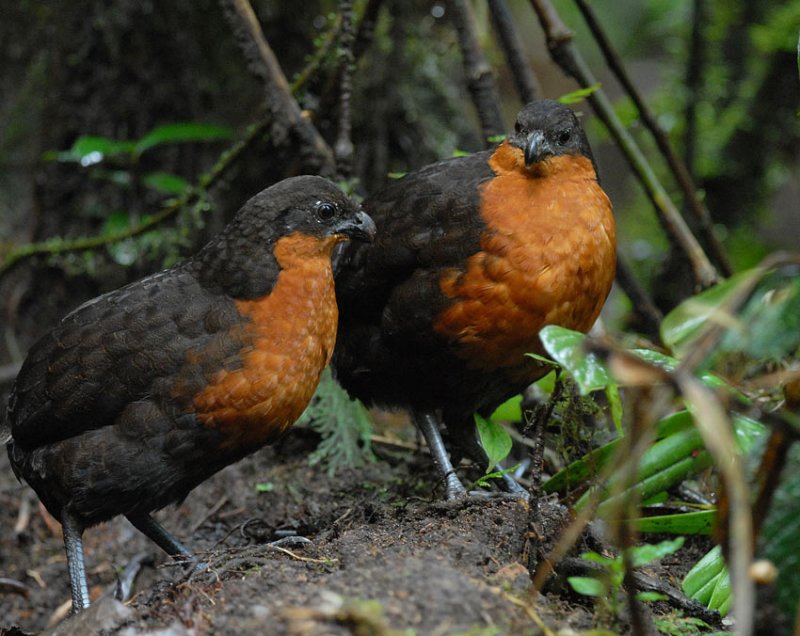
(383,557)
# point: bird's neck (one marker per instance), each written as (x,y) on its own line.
(507,159)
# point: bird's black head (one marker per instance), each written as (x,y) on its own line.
(547,128)
(310,205)
(241,260)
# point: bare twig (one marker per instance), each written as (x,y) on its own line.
(716,430)
(526,82)
(23,516)
(566,55)
(478,72)
(678,168)
(535,430)
(343,149)
(643,306)
(366,27)
(695,65)
(287,119)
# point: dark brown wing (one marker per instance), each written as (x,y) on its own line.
(124,346)
(388,292)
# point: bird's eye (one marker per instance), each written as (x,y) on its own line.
(564,137)
(325,211)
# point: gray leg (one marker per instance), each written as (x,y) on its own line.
(429,425)
(156,533)
(73,543)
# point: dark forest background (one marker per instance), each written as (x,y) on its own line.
(130,130)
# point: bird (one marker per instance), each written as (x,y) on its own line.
(139,395)
(474,256)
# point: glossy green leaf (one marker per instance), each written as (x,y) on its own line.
(748,432)
(508,411)
(668,363)
(771,320)
(649,552)
(662,480)
(686,322)
(166,183)
(780,542)
(587,586)
(721,595)
(181,133)
(700,522)
(591,463)
(577,96)
(567,348)
(705,571)
(495,440)
(89,150)
(651,597)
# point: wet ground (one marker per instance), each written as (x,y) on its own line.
(378,554)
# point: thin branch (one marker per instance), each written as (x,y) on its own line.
(695,65)
(649,315)
(366,28)
(343,149)
(566,55)
(287,118)
(679,170)
(714,425)
(478,72)
(524,78)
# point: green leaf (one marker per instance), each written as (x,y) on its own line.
(579,95)
(181,133)
(700,522)
(656,483)
(687,321)
(771,320)
(508,411)
(596,557)
(567,348)
(615,404)
(651,596)
(591,463)
(587,586)
(485,481)
(649,552)
(89,150)
(166,183)
(780,542)
(495,440)
(721,594)
(749,432)
(668,363)
(699,581)
(265,487)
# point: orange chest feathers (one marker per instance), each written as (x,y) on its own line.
(289,340)
(547,257)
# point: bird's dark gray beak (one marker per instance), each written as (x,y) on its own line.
(360,227)
(536,148)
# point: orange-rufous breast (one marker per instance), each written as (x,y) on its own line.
(290,337)
(547,257)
